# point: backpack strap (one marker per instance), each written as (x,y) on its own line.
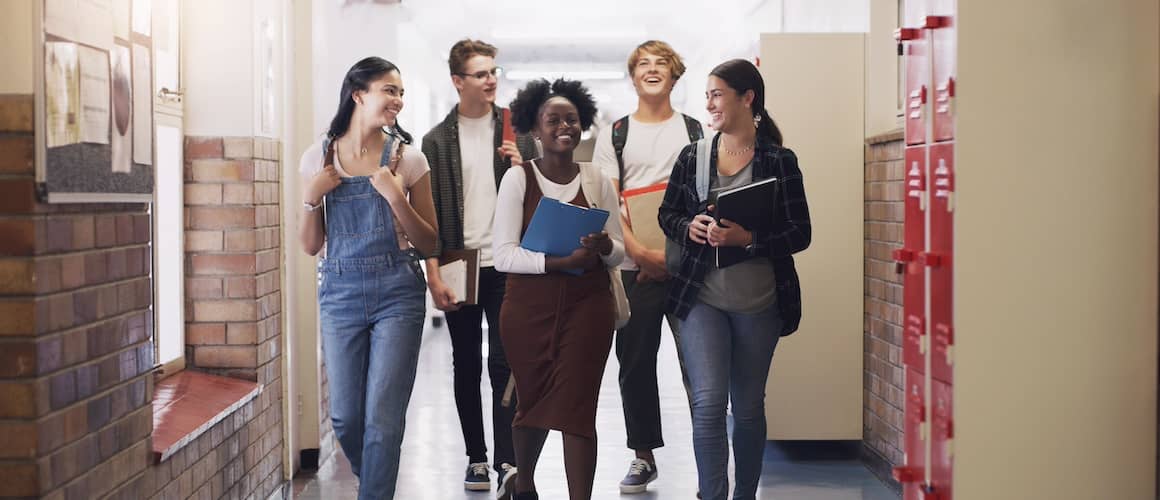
(619,139)
(693,127)
(704,147)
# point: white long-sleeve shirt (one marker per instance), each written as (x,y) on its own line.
(509,218)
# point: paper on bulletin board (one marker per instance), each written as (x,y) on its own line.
(142,106)
(121,132)
(88,22)
(94,95)
(62,94)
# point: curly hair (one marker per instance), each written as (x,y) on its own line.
(526,106)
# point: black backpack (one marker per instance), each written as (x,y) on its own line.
(620,137)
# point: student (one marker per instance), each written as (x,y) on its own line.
(733,317)
(368,201)
(637,151)
(557,327)
(468,159)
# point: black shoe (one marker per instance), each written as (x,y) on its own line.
(506,482)
(527,495)
(640,473)
(478,477)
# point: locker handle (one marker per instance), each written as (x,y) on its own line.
(905,474)
(936,22)
(907,34)
(901,257)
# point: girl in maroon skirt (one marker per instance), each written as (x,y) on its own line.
(556,327)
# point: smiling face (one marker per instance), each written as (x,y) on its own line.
(558,125)
(382,101)
(652,75)
(478,81)
(728,110)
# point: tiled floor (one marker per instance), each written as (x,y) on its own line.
(433,459)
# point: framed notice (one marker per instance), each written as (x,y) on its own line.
(94,101)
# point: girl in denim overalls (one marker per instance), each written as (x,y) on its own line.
(368,199)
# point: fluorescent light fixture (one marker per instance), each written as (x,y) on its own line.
(522,34)
(572,75)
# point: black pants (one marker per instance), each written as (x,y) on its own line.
(467,357)
(636,349)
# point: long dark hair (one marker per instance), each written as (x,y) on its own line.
(742,75)
(359,77)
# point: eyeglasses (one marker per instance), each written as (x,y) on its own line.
(482,75)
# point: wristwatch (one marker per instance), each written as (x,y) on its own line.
(751,248)
(309,207)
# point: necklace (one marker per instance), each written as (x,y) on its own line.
(736,152)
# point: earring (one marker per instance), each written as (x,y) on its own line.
(756,121)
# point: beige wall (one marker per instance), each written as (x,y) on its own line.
(224,65)
(882,69)
(1056,248)
(815,385)
(16,23)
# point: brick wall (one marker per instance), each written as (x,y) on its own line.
(76,352)
(233,260)
(882,330)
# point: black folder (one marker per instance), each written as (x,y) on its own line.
(752,206)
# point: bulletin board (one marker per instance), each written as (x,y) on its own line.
(94,101)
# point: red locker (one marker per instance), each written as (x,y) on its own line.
(942,37)
(908,258)
(915,57)
(942,436)
(912,474)
(941,260)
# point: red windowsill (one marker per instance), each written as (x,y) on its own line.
(188,404)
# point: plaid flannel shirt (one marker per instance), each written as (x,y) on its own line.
(441,146)
(791,235)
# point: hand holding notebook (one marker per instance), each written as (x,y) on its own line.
(752,207)
(557,228)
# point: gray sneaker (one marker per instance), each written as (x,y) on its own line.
(640,473)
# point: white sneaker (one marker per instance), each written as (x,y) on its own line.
(507,482)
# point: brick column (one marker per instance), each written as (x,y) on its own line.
(882,326)
(75,327)
(233,277)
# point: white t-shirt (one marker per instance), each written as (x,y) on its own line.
(476,139)
(649,153)
(510,257)
(412,167)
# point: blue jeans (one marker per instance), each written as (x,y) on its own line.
(727,356)
(372,326)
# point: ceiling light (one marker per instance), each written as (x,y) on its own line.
(572,75)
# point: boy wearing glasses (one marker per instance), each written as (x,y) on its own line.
(468,158)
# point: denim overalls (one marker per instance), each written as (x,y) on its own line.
(372,306)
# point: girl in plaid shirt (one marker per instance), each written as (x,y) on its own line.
(734,316)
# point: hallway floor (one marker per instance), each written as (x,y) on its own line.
(434,461)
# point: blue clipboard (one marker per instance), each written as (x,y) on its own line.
(556,228)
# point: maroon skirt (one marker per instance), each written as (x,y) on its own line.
(557,331)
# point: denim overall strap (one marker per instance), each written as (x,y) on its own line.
(360,225)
